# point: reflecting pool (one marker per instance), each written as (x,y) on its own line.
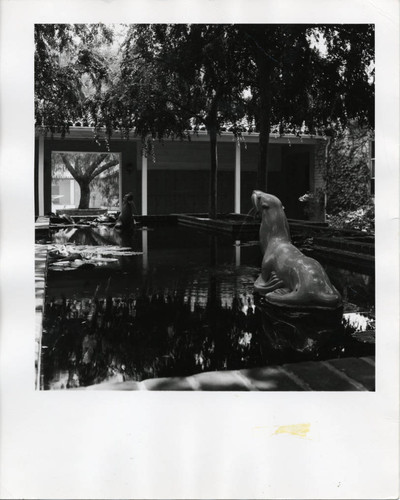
(172,301)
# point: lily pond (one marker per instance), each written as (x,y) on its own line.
(174,301)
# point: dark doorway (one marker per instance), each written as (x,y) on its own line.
(296,178)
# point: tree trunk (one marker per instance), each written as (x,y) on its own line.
(262,170)
(213,171)
(264,71)
(85,193)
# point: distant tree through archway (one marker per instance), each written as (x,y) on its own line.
(97,175)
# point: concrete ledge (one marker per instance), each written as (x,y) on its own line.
(235,226)
(156,220)
(42,225)
(363,263)
(358,245)
(81,212)
(235,223)
(144,220)
(40,291)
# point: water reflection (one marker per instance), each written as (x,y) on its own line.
(146,336)
(100,235)
(184,306)
(316,332)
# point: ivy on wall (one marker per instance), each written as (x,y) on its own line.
(348,173)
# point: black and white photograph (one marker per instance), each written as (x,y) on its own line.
(205,206)
(200,252)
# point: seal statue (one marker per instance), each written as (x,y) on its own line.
(288,277)
(125,219)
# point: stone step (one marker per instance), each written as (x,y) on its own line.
(357,261)
(346,244)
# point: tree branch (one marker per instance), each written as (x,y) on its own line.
(104,167)
(99,159)
(69,166)
(185,108)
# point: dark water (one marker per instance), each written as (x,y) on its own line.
(181,304)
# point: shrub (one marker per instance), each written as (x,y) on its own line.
(361,219)
(314,203)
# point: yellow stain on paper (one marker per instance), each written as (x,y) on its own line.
(300,430)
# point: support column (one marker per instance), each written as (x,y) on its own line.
(40,183)
(237,177)
(237,253)
(145,250)
(144,184)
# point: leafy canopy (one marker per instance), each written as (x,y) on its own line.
(309,76)
(70,64)
(171,77)
(174,78)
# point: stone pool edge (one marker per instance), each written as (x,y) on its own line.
(41,250)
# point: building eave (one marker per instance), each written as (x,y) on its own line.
(84,133)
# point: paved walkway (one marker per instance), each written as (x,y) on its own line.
(346,374)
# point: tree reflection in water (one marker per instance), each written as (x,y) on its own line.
(146,336)
(183,307)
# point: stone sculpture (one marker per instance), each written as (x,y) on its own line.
(125,220)
(288,278)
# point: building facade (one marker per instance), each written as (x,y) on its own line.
(176,178)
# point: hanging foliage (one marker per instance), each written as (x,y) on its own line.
(70,65)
